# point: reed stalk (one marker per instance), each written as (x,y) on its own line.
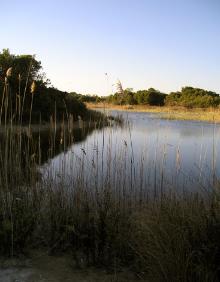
(25,89)
(32,91)
(105,214)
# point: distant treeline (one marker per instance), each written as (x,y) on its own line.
(88,98)
(188,97)
(17,73)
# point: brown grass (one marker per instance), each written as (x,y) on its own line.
(178,113)
(108,222)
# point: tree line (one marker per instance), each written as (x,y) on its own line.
(18,93)
(18,72)
(188,97)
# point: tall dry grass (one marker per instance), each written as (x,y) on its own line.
(165,112)
(106,219)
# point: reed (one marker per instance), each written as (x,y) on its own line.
(165,112)
(103,216)
(6,95)
(25,88)
(32,91)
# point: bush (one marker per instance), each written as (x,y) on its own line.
(193,97)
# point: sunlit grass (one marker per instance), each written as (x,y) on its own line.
(178,113)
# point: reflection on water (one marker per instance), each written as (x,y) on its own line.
(149,153)
(43,143)
(146,154)
(54,143)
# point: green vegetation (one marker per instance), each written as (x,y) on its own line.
(143,97)
(87,98)
(188,97)
(193,97)
(15,92)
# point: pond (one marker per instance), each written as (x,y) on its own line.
(145,156)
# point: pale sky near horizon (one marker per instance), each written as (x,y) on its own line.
(165,44)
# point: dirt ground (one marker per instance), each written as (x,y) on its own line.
(44,268)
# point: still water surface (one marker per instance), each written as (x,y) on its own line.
(145,154)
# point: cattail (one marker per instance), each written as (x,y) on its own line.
(9,72)
(33,87)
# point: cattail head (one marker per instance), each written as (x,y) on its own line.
(33,87)
(9,72)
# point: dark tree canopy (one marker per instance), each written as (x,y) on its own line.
(25,70)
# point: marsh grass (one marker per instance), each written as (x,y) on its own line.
(165,112)
(108,223)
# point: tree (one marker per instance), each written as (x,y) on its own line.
(193,97)
(25,70)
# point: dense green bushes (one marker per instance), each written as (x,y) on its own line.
(49,100)
(87,98)
(193,97)
(188,97)
(141,97)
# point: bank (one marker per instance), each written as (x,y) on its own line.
(176,113)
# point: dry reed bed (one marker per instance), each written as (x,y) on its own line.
(179,113)
(169,237)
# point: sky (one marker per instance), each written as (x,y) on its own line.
(165,44)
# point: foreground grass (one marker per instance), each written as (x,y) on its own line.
(168,240)
(106,224)
(164,238)
(103,224)
(177,113)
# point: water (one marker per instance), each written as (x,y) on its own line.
(147,154)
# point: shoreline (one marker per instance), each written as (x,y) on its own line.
(40,266)
(173,113)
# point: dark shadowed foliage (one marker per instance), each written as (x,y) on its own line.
(47,100)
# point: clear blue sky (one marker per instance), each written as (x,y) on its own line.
(165,44)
